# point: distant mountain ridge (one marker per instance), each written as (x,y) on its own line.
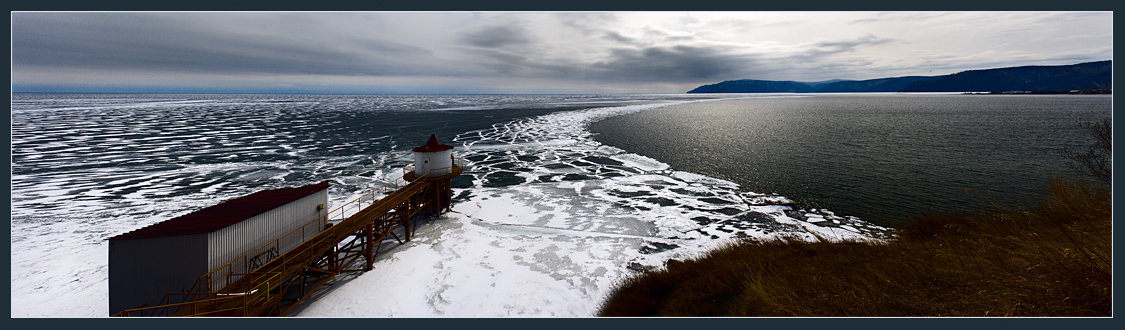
(1061,78)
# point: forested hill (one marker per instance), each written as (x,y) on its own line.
(1061,78)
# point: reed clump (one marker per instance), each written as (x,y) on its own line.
(1050,260)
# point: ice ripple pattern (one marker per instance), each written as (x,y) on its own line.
(556,150)
(104,159)
(86,169)
(547,220)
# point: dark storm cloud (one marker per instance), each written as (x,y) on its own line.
(614,36)
(498,36)
(502,46)
(716,63)
(507,46)
(620,51)
(849,45)
(156,42)
(587,23)
(825,50)
(498,61)
(671,64)
(393,48)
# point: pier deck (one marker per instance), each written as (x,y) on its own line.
(278,285)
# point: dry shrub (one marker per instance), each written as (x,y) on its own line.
(1052,260)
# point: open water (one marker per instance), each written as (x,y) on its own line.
(881,157)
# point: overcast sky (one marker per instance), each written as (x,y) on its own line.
(526,52)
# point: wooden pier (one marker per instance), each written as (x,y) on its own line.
(275,284)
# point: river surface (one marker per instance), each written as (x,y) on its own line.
(880,157)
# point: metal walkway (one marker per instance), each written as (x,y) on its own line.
(251,286)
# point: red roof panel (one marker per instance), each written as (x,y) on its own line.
(224,214)
(432,145)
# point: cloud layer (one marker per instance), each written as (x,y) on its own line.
(525,52)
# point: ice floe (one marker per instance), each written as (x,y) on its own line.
(553,220)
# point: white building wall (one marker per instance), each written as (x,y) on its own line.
(253,235)
(436,163)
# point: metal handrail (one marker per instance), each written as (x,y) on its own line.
(356,204)
(253,295)
(457,162)
(211,277)
(206,283)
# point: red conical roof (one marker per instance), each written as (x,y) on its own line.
(433,145)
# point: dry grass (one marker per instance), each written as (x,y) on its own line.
(1052,260)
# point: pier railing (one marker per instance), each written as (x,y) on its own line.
(212,303)
(434,172)
(212,289)
(224,274)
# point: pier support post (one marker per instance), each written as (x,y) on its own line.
(368,252)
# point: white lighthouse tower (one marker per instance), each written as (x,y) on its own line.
(433,158)
(433,163)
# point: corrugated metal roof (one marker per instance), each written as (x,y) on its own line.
(224,214)
(432,145)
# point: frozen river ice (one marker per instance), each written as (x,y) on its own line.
(546,219)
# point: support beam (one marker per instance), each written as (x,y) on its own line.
(279,285)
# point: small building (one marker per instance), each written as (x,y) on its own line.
(147,263)
(434,158)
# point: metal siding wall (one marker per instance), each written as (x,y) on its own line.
(142,271)
(236,240)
